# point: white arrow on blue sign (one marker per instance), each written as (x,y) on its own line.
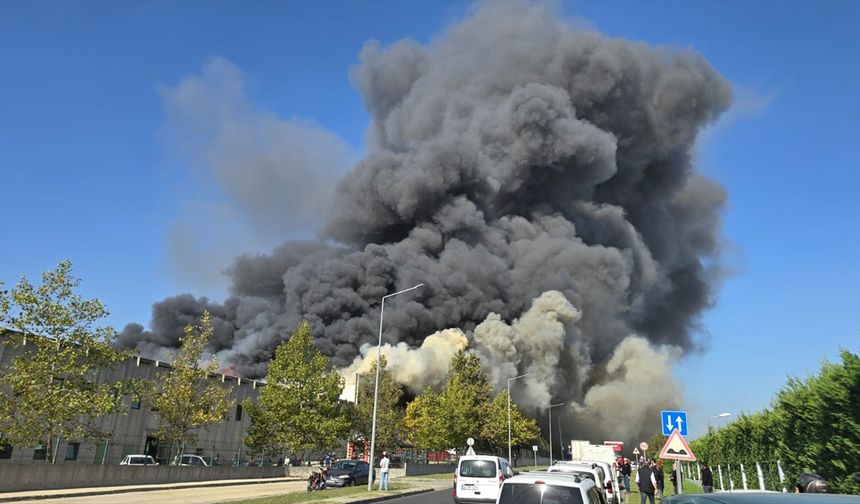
(671,420)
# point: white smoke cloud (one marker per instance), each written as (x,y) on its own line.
(638,384)
(416,368)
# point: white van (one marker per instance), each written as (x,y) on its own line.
(546,487)
(609,484)
(479,477)
(595,474)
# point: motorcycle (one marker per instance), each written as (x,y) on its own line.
(316,481)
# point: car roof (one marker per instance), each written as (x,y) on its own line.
(571,468)
(762,498)
(550,478)
(479,457)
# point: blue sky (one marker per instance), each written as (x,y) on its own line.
(86,172)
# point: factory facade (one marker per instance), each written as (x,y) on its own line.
(132,431)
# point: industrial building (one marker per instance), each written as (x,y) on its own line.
(132,430)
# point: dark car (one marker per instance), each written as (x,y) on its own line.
(750,497)
(348,473)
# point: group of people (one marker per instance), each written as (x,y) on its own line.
(650,479)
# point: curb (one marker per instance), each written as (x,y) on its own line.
(142,488)
(395,496)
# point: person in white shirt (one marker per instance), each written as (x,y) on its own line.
(383,472)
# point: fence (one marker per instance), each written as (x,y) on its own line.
(742,476)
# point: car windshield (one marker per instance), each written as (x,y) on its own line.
(478,469)
(343,464)
(532,493)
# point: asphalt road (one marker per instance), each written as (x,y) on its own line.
(437,497)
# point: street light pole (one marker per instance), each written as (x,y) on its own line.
(551,406)
(509,412)
(376,386)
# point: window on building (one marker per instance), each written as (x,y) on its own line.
(72,451)
(39,453)
(5,452)
(238,412)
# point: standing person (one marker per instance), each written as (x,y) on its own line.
(383,471)
(625,473)
(647,483)
(707,478)
(328,459)
(660,478)
(674,477)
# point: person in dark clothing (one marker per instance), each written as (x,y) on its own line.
(707,478)
(659,477)
(625,473)
(674,477)
(647,483)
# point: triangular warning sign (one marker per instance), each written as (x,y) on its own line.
(677,448)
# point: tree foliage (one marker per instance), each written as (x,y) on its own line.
(299,408)
(465,408)
(813,425)
(426,423)
(494,431)
(389,417)
(186,398)
(49,391)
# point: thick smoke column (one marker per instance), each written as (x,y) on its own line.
(512,157)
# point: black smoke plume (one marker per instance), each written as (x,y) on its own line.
(513,156)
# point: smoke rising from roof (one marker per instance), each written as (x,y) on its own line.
(520,169)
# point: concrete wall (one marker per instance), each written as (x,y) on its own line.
(21,477)
(422,469)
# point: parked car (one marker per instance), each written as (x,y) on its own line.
(478,478)
(138,460)
(190,460)
(609,485)
(593,473)
(348,473)
(545,487)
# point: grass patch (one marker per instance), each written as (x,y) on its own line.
(668,489)
(323,496)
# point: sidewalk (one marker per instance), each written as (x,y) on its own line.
(95,491)
(210,492)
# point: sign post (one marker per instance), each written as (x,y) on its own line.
(534,449)
(672,420)
(676,448)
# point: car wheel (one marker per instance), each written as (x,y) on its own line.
(351,482)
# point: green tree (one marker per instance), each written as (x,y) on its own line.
(299,408)
(49,390)
(466,399)
(655,444)
(389,417)
(426,422)
(494,431)
(186,399)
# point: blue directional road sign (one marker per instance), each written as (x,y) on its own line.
(671,420)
